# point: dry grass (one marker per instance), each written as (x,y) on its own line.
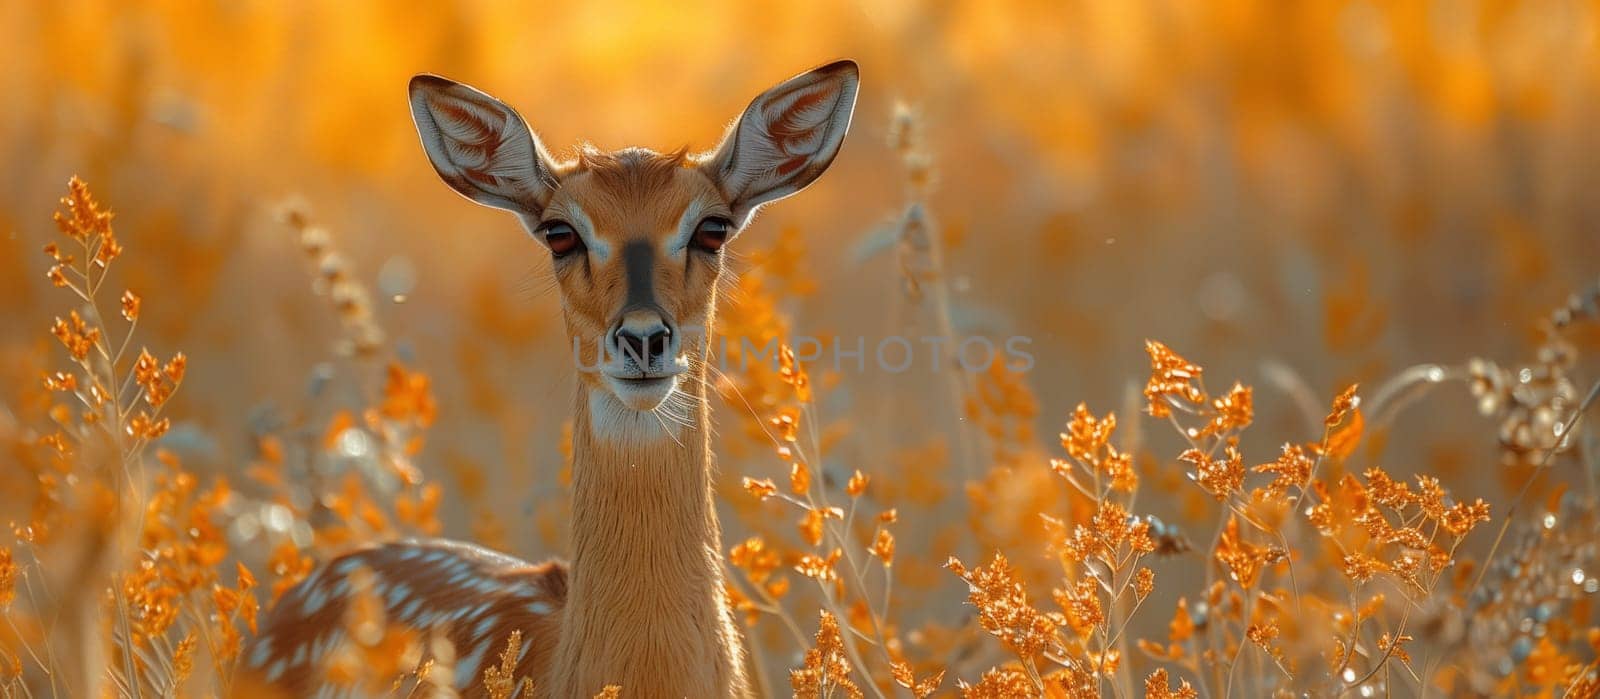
(1317,578)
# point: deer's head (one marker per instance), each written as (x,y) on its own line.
(636,236)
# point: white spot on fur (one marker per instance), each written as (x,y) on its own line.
(467,668)
(523,651)
(314,600)
(484,626)
(398,594)
(262,651)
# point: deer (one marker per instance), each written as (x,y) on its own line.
(637,243)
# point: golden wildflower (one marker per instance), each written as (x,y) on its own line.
(1086,436)
(76,335)
(288,566)
(407,396)
(108,250)
(156,382)
(1004,610)
(1087,442)
(819,568)
(1119,467)
(1342,440)
(1156,686)
(130,306)
(1081,602)
(1220,477)
(799,478)
(146,369)
(1360,567)
(1000,683)
(1372,606)
(1291,470)
(1182,626)
(738,601)
(610,691)
(1431,496)
(61,381)
(925,687)
(1346,401)
(175,368)
(1062,468)
(1263,635)
(1144,583)
(787,423)
(883,547)
(1388,643)
(1387,491)
(827,667)
(811,526)
(1172,380)
(754,557)
(83,219)
(420,509)
(8,577)
(1232,412)
(1244,560)
(153,602)
(763,488)
(1105,664)
(1460,518)
(792,373)
(183,660)
(1002,406)
(857,484)
(498,680)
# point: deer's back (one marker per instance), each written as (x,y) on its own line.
(472,596)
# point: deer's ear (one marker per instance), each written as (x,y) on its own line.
(480,146)
(785,138)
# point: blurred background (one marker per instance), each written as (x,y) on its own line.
(1322,191)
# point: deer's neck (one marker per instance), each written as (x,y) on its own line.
(646,607)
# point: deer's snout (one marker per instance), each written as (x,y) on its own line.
(642,338)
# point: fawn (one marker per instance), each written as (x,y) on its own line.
(636,239)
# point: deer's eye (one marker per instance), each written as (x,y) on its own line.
(561,237)
(711,234)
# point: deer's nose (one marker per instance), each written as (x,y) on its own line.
(642,336)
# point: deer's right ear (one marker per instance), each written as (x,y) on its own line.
(480,146)
(785,138)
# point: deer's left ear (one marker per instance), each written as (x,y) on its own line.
(785,138)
